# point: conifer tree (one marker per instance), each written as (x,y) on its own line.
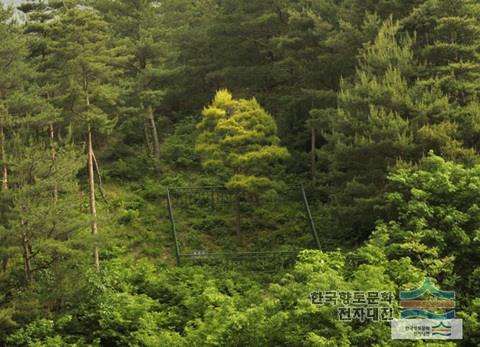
(40,17)
(35,218)
(40,227)
(83,52)
(448,41)
(137,24)
(386,114)
(19,104)
(318,47)
(239,142)
(370,130)
(14,74)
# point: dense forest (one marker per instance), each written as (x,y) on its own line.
(370,108)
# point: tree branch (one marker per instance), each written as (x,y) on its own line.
(100,184)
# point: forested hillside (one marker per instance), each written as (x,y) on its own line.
(364,115)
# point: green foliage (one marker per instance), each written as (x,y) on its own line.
(370,130)
(448,35)
(434,217)
(239,143)
(178,150)
(432,227)
(359,91)
(81,59)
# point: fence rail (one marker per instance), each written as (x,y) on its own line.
(219,198)
(270,261)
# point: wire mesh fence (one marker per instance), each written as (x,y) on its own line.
(231,228)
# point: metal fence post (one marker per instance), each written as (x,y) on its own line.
(310,218)
(174,230)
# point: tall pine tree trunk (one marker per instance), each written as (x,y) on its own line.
(91,182)
(92,201)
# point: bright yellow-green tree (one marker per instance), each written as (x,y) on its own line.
(239,143)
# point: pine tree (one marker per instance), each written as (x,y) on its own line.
(448,41)
(316,50)
(40,223)
(138,25)
(36,182)
(40,17)
(310,57)
(191,53)
(19,105)
(85,58)
(369,132)
(14,74)
(239,142)
(386,114)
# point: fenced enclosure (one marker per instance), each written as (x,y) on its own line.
(232,228)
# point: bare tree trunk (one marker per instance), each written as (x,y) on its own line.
(99,175)
(313,155)
(91,182)
(92,201)
(4,160)
(156,141)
